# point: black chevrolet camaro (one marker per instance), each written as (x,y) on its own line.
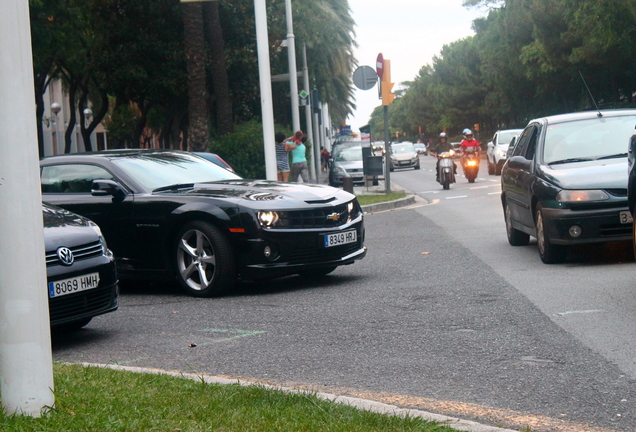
(174,215)
(566,182)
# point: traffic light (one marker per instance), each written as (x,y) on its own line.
(387,85)
(387,96)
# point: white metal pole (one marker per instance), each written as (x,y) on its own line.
(265,77)
(293,75)
(315,174)
(26,363)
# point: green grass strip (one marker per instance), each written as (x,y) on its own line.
(93,399)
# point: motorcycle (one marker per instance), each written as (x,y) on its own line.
(446,169)
(470,163)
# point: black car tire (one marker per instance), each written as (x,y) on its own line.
(515,237)
(634,235)
(417,166)
(317,273)
(204,260)
(549,253)
(498,169)
(491,168)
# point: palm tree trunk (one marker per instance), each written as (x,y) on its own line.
(218,68)
(198,130)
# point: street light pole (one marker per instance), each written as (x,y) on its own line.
(26,360)
(265,79)
(293,76)
(56,108)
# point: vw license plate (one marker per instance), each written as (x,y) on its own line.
(73,285)
(625,217)
(338,239)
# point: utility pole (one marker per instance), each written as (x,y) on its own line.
(26,361)
(293,76)
(265,78)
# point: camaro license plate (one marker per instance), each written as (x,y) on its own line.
(73,285)
(338,239)
(625,217)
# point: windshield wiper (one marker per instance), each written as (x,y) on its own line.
(617,155)
(564,161)
(174,187)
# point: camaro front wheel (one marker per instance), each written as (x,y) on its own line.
(204,260)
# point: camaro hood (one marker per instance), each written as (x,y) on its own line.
(264,191)
(610,174)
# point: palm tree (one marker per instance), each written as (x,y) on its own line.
(194,42)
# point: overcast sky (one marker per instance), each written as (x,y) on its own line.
(407,32)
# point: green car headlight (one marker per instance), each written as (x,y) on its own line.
(569,196)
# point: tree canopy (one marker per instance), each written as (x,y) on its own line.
(525,60)
(128,59)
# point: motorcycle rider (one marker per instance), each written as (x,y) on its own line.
(442,146)
(468,142)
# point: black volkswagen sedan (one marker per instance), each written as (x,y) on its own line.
(81,274)
(171,214)
(566,182)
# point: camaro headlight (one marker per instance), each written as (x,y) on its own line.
(581,196)
(268,218)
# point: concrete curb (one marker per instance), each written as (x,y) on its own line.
(363,404)
(389,205)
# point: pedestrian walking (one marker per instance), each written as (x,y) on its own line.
(299,159)
(282,157)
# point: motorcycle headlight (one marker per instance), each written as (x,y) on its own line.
(566,196)
(268,218)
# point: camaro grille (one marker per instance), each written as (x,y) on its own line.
(85,251)
(325,217)
(83,302)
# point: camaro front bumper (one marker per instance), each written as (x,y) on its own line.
(594,225)
(280,252)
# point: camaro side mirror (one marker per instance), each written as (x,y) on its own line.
(108,187)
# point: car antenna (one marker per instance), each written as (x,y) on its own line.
(591,97)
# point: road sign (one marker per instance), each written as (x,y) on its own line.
(365,78)
(379,65)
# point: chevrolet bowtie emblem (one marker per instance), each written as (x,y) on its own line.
(334,216)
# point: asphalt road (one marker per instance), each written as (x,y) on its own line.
(442,315)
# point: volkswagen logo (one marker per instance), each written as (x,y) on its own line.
(65,256)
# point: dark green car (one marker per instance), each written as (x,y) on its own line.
(566,182)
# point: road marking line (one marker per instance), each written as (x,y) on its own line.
(459,196)
(494,193)
(480,187)
(579,312)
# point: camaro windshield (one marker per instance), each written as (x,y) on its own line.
(165,169)
(589,139)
